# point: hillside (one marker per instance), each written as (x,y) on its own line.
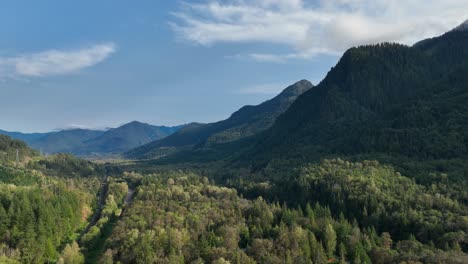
(8,148)
(247,121)
(383,100)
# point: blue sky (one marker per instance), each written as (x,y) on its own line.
(103,63)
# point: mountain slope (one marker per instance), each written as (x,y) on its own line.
(247,121)
(8,148)
(126,137)
(385,99)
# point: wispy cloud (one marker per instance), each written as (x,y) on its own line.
(54,62)
(315,27)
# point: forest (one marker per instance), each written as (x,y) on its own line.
(336,211)
(41,208)
(181,217)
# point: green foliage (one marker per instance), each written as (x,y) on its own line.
(20,177)
(330,240)
(180,218)
(71,255)
(8,148)
(34,222)
(376,196)
(39,212)
(93,241)
(66,165)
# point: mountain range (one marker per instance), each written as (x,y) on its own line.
(246,122)
(85,142)
(388,101)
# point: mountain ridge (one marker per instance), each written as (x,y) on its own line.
(243,123)
(462,27)
(390,99)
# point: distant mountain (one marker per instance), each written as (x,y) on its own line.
(26,137)
(381,100)
(87,142)
(65,141)
(247,121)
(126,137)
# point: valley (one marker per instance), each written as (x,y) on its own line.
(367,166)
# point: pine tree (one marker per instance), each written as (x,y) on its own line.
(386,240)
(319,255)
(342,253)
(330,240)
(72,255)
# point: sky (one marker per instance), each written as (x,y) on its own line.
(97,64)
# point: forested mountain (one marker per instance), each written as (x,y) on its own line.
(247,121)
(386,99)
(87,142)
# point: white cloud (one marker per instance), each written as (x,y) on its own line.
(315,27)
(54,62)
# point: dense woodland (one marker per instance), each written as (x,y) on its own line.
(183,218)
(40,213)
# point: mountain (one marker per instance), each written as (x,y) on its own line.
(26,137)
(126,137)
(462,27)
(65,141)
(247,121)
(381,100)
(86,142)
